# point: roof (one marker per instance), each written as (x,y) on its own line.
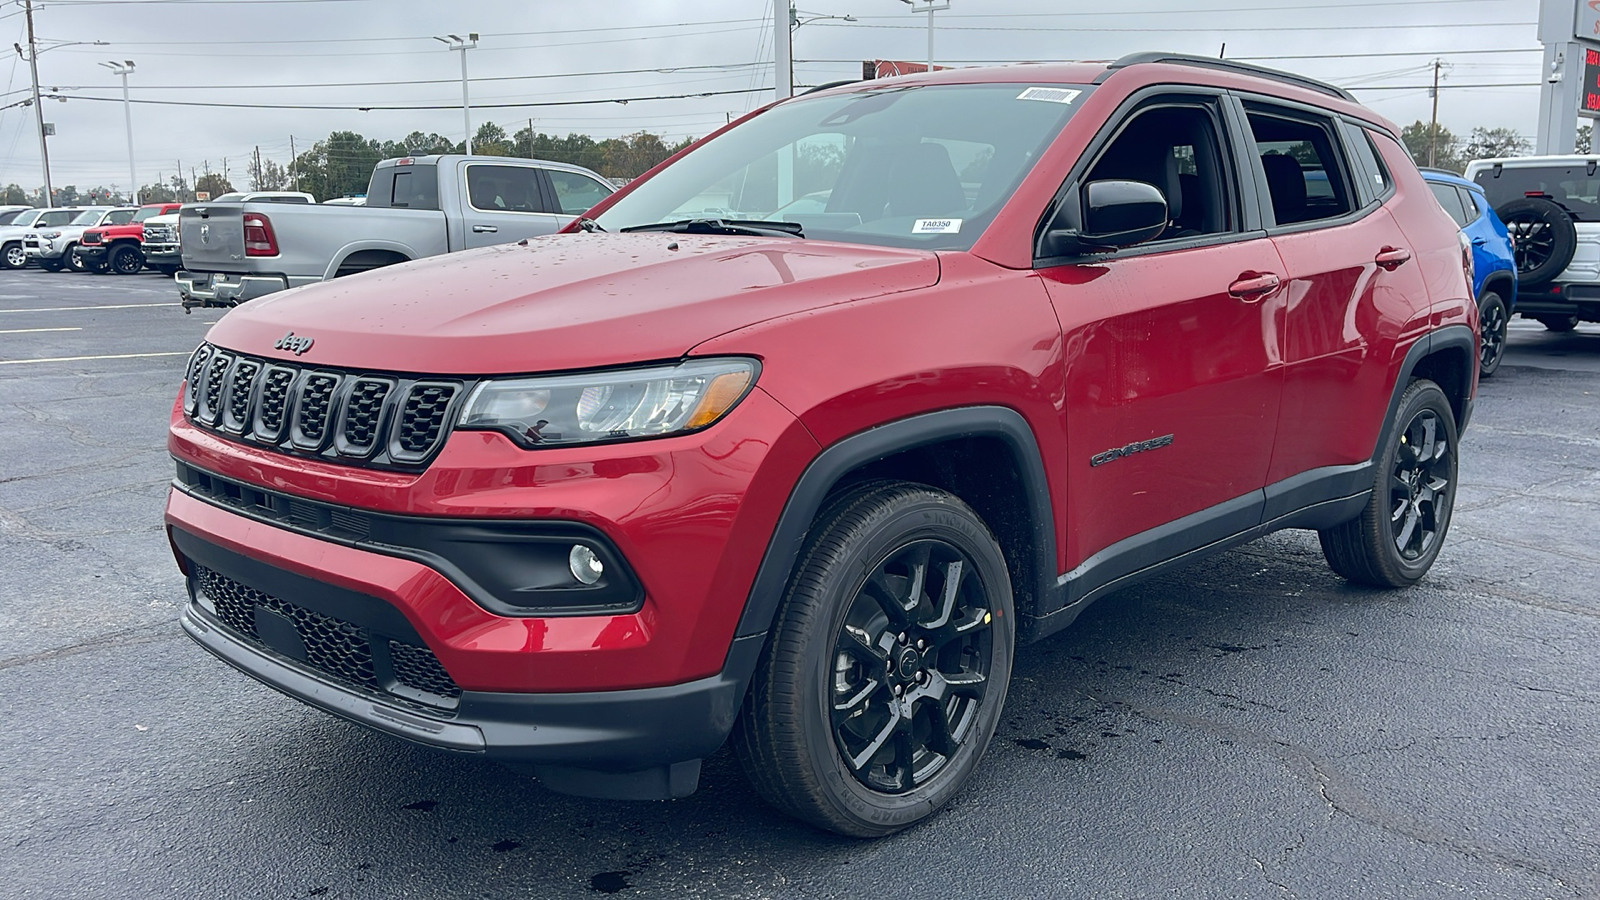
(1445,177)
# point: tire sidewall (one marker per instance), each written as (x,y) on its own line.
(926,518)
(1564,235)
(121,253)
(1426,397)
(1489,300)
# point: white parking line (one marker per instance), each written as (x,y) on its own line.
(56,359)
(75,308)
(34,330)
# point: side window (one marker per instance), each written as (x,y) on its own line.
(415,188)
(1450,199)
(576,193)
(1472,203)
(1177,148)
(504,188)
(1384,181)
(1304,172)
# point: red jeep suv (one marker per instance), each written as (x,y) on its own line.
(789,443)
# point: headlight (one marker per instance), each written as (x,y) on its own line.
(50,234)
(620,405)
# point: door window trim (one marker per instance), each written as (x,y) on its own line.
(1236,185)
(538,181)
(1252,160)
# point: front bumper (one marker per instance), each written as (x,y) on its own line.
(94,255)
(162,255)
(43,250)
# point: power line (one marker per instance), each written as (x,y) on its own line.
(1220,28)
(389,108)
(667,70)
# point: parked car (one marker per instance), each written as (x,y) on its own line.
(52,248)
(13,253)
(161,251)
(1551,205)
(416,207)
(262,197)
(1494,264)
(7,213)
(121,249)
(595,503)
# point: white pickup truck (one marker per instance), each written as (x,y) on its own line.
(1551,207)
(416,207)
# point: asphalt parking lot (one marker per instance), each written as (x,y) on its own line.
(1248,728)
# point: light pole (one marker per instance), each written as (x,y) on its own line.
(796,19)
(125,68)
(929,7)
(457,42)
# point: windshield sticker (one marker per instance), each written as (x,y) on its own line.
(936,226)
(1049,95)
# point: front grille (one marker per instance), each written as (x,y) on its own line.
(157,234)
(340,650)
(90,237)
(387,421)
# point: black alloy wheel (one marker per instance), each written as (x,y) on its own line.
(885,671)
(13,256)
(1492,323)
(911,666)
(127,260)
(1421,486)
(1396,538)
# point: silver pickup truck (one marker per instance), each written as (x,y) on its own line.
(416,206)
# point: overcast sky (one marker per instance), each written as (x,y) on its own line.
(271,52)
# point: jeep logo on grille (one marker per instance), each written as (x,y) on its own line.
(293,344)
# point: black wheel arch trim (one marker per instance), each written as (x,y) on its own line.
(1503,283)
(1449,337)
(838,460)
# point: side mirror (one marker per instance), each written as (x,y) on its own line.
(1113,214)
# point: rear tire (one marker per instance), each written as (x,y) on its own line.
(126,260)
(886,670)
(1559,324)
(1492,320)
(1397,537)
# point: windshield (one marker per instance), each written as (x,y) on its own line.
(908,166)
(146,212)
(88,217)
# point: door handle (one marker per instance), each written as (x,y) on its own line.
(484,229)
(1252,286)
(1391,258)
(1479,242)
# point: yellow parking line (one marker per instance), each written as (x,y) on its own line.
(75,308)
(34,330)
(54,359)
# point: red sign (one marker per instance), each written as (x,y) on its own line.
(888,68)
(1590,104)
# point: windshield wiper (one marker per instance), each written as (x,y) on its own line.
(759,227)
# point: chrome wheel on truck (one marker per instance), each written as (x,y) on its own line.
(886,671)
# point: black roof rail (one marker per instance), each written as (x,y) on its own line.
(831,84)
(1226,65)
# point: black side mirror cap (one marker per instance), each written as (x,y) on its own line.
(1114,214)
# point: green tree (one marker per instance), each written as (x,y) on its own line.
(1585,142)
(1495,143)
(158,193)
(67,196)
(492,140)
(1421,138)
(212,183)
(13,195)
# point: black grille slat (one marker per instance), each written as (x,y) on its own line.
(423,418)
(338,649)
(240,386)
(370,419)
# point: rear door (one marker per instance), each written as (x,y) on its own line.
(1353,291)
(502,202)
(1172,348)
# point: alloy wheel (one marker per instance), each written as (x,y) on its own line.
(16,257)
(1419,485)
(1534,241)
(911,666)
(1493,344)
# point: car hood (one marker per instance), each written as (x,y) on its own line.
(568,301)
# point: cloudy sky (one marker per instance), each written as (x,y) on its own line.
(275,61)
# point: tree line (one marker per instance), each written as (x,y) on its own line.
(341,164)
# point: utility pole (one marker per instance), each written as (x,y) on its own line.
(1433,126)
(782,49)
(294,173)
(530,138)
(457,42)
(930,9)
(38,109)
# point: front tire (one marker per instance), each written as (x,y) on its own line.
(12,256)
(1492,321)
(126,260)
(70,258)
(1395,540)
(885,673)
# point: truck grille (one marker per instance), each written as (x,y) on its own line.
(386,421)
(340,650)
(158,234)
(90,237)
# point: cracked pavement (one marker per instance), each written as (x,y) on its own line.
(1250,727)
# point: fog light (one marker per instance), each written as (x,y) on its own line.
(585,565)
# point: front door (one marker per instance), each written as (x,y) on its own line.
(1173,370)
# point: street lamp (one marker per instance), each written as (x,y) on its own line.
(125,68)
(457,42)
(796,19)
(929,7)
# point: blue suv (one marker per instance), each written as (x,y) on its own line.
(1494,263)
